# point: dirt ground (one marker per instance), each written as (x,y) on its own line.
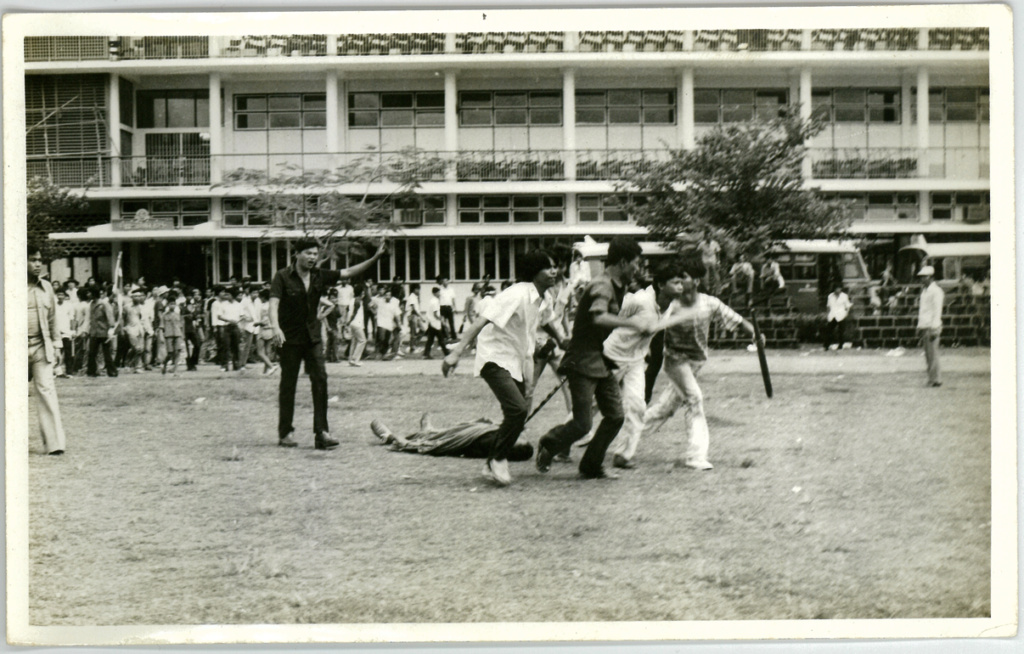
(855,493)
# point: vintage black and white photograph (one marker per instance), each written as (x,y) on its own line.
(418,326)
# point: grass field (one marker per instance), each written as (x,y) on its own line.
(854,493)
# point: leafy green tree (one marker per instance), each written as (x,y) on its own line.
(47,203)
(341,208)
(743,183)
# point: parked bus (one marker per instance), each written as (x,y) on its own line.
(809,267)
(952,261)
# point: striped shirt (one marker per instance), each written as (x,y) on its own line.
(689,341)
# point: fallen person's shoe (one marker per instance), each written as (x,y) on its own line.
(382,432)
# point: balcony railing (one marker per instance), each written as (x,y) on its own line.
(87,48)
(479,166)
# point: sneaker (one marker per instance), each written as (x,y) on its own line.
(497,471)
(242,369)
(698,464)
(355,364)
(601,473)
(544,455)
(323,441)
(381,432)
(620,461)
(286,441)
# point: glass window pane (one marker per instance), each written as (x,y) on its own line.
(193,206)
(314,119)
(962,95)
(588,216)
(233,204)
(968,198)
(202,112)
(430,118)
(659,98)
(363,100)
(850,114)
(396,118)
(234,219)
(496,216)
(250,103)
(469,217)
(614,216)
(475,116)
(430,100)
(627,115)
(545,99)
(526,201)
(474,99)
(942,198)
(705,115)
(589,98)
(510,99)
(527,216)
(469,201)
(849,95)
(624,97)
(659,116)
(587,201)
(554,201)
(545,116)
(510,116)
(159,112)
(314,101)
(396,100)
(284,121)
(962,112)
(737,96)
(165,206)
(283,103)
(705,96)
(736,114)
(362,119)
(493,201)
(590,116)
(552,216)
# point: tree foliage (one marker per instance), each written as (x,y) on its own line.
(342,208)
(46,204)
(743,183)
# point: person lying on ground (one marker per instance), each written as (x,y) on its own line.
(474,440)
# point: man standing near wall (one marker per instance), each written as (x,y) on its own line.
(929,323)
(43,342)
(295,294)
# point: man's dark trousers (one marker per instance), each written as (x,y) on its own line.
(584,390)
(292,356)
(514,408)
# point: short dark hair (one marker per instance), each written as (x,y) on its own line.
(667,270)
(530,263)
(34,249)
(623,248)
(414,288)
(693,265)
(435,290)
(304,244)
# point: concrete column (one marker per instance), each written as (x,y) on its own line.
(570,209)
(332,45)
(114,128)
(449,42)
(806,39)
(451,210)
(343,144)
(216,131)
(906,113)
(569,122)
(922,38)
(687,134)
(572,42)
(924,205)
(922,123)
(805,114)
(688,40)
(451,122)
(332,116)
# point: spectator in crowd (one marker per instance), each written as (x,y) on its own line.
(929,323)
(771,277)
(446,300)
(208,350)
(225,314)
(839,306)
(249,315)
(65,317)
(346,301)
(388,311)
(101,332)
(506,334)
(585,366)
(434,324)
(172,328)
(413,316)
(159,304)
(469,307)
(81,331)
(71,288)
(710,252)
(134,331)
(265,337)
(357,332)
(742,273)
(295,294)
(192,319)
(44,340)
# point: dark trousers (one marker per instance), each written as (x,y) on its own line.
(68,356)
(292,355)
(514,408)
(655,357)
(81,351)
(835,331)
(95,344)
(227,344)
(448,321)
(383,341)
(192,339)
(584,390)
(433,333)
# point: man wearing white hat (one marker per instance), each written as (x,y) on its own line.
(929,322)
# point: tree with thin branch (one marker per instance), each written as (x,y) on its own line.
(47,203)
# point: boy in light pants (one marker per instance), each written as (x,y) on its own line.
(686,351)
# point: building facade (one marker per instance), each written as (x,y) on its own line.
(544,125)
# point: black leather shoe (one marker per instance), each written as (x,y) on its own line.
(544,455)
(56,452)
(600,474)
(325,442)
(286,441)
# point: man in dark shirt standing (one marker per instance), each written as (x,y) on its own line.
(295,296)
(586,367)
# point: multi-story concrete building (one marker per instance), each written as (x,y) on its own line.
(545,123)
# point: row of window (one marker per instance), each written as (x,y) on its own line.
(965,206)
(190,108)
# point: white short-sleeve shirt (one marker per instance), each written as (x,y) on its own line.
(508,338)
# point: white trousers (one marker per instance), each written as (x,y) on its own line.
(683,393)
(632,382)
(46,399)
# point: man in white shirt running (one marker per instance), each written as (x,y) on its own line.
(505,339)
